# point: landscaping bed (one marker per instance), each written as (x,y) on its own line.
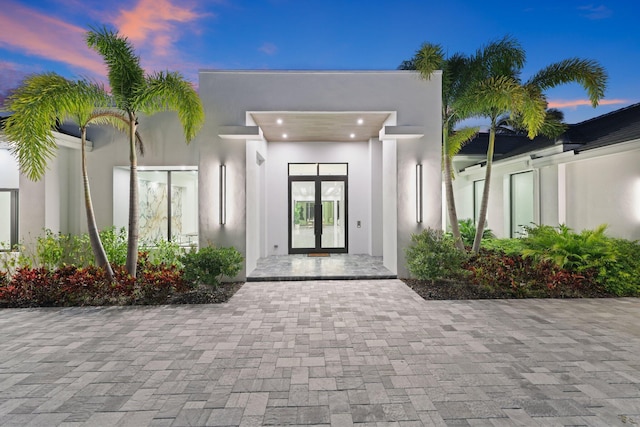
(207,295)
(457,290)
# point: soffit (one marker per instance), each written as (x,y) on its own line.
(319,126)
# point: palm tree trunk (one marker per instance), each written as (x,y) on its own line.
(448,185)
(94,237)
(132,241)
(482,216)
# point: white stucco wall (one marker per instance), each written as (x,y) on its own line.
(599,186)
(57,201)
(229,95)
(355,154)
(605,190)
(9,173)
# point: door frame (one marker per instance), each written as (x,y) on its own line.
(318,179)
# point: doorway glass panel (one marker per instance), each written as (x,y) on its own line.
(5,220)
(333,224)
(303,197)
(521,203)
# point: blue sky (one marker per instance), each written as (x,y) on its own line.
(184,35)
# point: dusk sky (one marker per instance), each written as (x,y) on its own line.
(186,36)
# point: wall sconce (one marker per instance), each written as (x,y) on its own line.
(223,194)
(419,193)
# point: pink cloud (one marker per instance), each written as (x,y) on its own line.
(33,33)
(575,103)
(154,23)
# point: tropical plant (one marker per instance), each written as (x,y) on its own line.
(432,255)
(133,92)
(38,105)
(468,232)
(567,249)
(497,89)
(209,265)
(455,82)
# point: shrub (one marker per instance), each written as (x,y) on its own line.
(74,286)
(114,242)
(513,275)
(615,261)
(468,232)
(209,264)
(621,275)
(165,252)
(566,249)
(433,255)
(506,246)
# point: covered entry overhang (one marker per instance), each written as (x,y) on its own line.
(276,120)
(312,146)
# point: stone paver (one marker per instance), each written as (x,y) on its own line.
(338,353)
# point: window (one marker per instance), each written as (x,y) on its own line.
(8,219)
(521,202)
(168,201)
(478,188)
(314,169)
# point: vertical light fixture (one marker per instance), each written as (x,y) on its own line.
(419,193)
(223,194)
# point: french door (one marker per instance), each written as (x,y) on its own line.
(317,214)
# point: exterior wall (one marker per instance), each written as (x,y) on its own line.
(383,170)
(600,186)
(228,96)
(57,202)
(9,173)
(355,154)
(605,190)
(53,202)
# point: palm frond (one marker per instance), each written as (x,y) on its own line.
(428,59)
(36,110)
(166,91)
(502,57)
(408,64)
(493,97)
(456,77)
(588,73)
(533,111)
(124,70)
(459,139)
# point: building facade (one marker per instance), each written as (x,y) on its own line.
(286,162)
(587,177)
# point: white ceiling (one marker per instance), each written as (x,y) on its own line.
(319,126)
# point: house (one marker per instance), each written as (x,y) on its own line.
(589,176)
(287,162)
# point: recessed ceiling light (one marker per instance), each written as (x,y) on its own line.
(360,121)
(284,135)
(279,121)
(353,135)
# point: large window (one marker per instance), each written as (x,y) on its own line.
(521,202)
(478,189)
(8,219)
(168,206)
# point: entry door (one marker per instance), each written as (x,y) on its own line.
(317,214)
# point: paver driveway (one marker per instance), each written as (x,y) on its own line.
(324,352)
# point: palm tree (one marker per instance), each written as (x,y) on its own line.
(552,127)
(38,105)
(134,92)
(455,83)
(498,90)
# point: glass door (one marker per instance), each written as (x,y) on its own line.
(302,195)
(317,214)
(333,214)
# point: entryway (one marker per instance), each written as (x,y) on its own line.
(318,208)
(332,267)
